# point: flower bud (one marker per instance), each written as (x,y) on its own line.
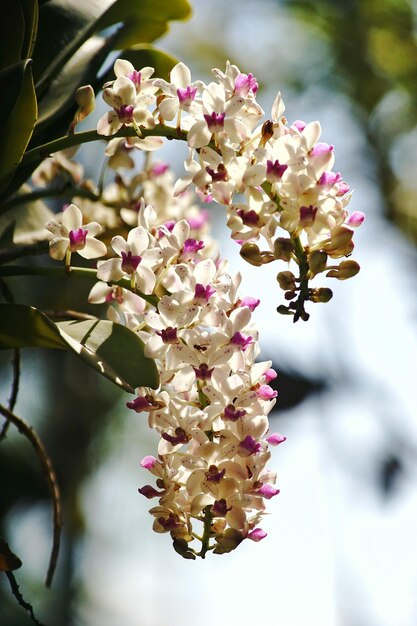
(284,310)
(85,98)
(286,281)
(283,249)
(322,294)
(251,253)
(347,269)
(317,262)
(341,242)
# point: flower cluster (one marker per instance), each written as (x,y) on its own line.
(275,180)
(212,404)
(163,277)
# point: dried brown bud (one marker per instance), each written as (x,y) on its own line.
(286,281)
(283,249)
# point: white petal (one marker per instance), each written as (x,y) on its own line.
(58,248)
(109,124)
(198,135)
(168,108)
(145,279)
(72,218)
(122,67)
(180,75)
(93,249)
(110,270)
(138,239)
(125,88)
(93,228)
(119,245)
(99,293)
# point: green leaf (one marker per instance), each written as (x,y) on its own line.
(72,22)
(29,220)
(12,30)
(11,81)
(111,349)
(8,560)
(144,56)
(16,131)
(61,94)
(64,25)
(148,10)
(30,11)
(146,24)
(115,347)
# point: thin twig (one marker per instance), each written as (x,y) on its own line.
(16,360)
(21,601)
(8,296)
(46,463)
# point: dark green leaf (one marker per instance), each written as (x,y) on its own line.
(115,347)
(146,24)
(12,30)
(8,560)
(148,10)
(29,219)
(73,22)
(74,74)
(16,131)
(112,349)
(11,81)
(23,326)
(64,25)
(30,11)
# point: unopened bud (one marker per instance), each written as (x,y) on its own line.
(267,131)
(267,257)
(290,295)
(283,249)
(286,280)
(251,253)
(346,270)
(284,310)
(341,242)
(322,294)
(85,98)
(317,262)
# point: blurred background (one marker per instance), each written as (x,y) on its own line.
(341,547)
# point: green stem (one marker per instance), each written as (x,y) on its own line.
(68,141)
(80,272)
(205,540)
(38,194)
(304,292)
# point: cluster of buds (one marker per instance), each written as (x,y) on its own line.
(290,205)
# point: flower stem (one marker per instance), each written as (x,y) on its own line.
(205,540)
(36,155)
(304,292)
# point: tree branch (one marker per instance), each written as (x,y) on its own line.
(54,490)
(20,600)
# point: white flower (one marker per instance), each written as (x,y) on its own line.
(136,260)
(70,235)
